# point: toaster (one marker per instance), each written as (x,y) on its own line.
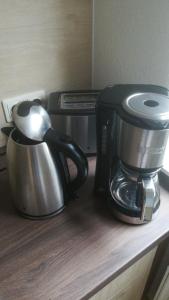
(74,113)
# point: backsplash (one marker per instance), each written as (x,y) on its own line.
(44,45)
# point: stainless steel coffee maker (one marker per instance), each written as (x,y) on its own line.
(132,134)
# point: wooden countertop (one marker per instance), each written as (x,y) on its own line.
(74,254)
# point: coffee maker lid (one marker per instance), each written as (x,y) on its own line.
(149,106)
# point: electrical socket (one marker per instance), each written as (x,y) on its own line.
(10,102)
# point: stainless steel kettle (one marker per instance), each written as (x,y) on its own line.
(37,175)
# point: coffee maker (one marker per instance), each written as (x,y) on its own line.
(132,124)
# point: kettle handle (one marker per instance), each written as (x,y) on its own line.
(7,130)
(71,150)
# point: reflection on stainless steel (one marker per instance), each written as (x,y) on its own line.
(78,100)
(34,125)
(141,148)
(34,179)
(131,220)
(74,113)
(81,128)
(149,194)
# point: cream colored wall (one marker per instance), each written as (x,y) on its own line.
(44,44)
(131,42)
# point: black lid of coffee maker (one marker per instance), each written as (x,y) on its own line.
(114,95)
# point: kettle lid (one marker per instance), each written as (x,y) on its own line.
(151,106)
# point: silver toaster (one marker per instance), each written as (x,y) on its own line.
(74,113)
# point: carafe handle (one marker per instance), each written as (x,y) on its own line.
(71,150)
(147,199)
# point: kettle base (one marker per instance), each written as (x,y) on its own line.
(41,217)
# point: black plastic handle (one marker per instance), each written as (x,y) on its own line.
(71,150)
(7,130)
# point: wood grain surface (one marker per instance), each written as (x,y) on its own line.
(74,254)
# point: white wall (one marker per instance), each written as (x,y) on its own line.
(131,42)
(44,44)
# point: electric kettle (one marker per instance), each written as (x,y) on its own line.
(38,172)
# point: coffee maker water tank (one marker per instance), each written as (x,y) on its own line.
(138,146)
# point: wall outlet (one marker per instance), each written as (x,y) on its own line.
(10,102)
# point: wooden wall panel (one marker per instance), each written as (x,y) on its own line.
(44,45)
